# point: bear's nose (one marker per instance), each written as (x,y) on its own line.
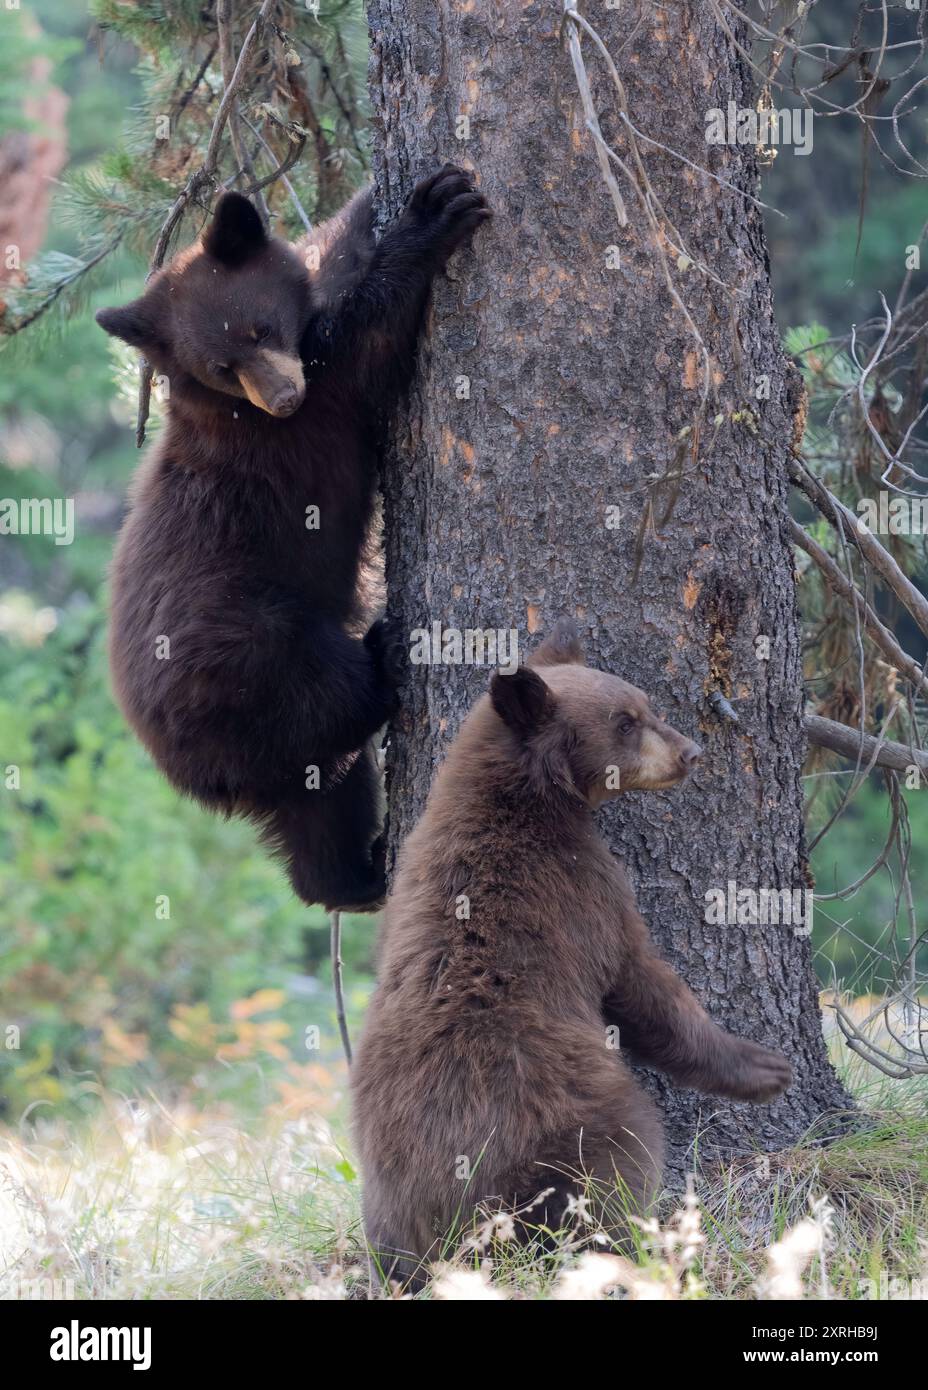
(286,401)
(690,754)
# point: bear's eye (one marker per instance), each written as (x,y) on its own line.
(218,368)
(625,723)
(262,332)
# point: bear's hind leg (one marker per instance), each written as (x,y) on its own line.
(605,1173)
(626,1164)
(329,841)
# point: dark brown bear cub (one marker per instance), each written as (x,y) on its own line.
(237,587)
(511,944)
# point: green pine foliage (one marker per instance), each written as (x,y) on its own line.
(303,78)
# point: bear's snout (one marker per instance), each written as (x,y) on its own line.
(285,402)
(273,381)
(690,754)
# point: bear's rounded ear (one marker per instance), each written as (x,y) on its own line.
(522,700)
(236,231)
(134,323)
(561,647)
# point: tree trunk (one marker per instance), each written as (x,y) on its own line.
(581,376)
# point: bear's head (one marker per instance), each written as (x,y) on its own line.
(586,732)
(226,315)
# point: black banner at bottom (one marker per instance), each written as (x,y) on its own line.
(155,1339)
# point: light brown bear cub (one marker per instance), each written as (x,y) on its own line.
(511,944)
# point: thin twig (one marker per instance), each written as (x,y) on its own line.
(296,149)
(336,951)
(589,112)
(291,191)
(870,548)
(851,595)
(242,157)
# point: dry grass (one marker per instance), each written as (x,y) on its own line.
(147,1202)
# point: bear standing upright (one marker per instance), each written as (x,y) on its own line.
(512,952)
(237,604)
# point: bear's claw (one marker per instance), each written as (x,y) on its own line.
(385,644)
(449,206)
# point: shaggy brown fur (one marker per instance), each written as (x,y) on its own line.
(265,700)
(511,942)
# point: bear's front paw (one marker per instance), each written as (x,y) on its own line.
(448,208)
(385,644)
(756,1073)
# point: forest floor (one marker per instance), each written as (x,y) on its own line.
(149,1201)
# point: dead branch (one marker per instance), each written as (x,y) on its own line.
(900,1068)
(281,173)
(877,556)
(242,157)
(851,595)
(296,137)
(201,178)
(864,748)
(592,122)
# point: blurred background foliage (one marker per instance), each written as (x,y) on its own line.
(138,935)
(140,938)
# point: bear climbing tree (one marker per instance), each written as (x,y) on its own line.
(600,428)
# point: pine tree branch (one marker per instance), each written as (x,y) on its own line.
(188,92)
(230,94)
(864,748)
(8,331)
(327,76)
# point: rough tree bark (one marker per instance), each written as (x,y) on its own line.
(581,377)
